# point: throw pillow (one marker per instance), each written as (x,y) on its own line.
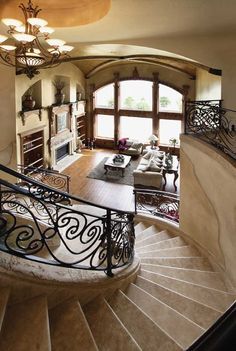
(143,168)
(148,155)
(136,146)
(153,166)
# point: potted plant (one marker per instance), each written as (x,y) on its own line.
(60,96)
(28,102)
(173,142)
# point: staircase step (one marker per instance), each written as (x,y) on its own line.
(163,235)
(181,329)
(200,263)
(140,227)
(146,333)
(213,298)
(209,279)
(108,331)
(69,328)
(26,326)
(4,294)
(165,244)
(183,251)
(152,229)
(193,310)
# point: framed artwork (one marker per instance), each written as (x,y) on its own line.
(62,122)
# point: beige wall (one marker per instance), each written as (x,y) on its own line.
(7,118)
(208,201)
(216,51)
(208,86)
(73,77)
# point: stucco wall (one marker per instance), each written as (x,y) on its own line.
(208,202)
(7,118)
(177,79)
(208,86)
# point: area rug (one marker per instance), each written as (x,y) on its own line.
(114,176)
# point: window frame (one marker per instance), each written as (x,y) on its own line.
(155,114)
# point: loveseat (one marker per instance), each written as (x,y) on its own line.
(149,171)
(130,147)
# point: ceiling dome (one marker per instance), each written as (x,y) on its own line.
(61,13)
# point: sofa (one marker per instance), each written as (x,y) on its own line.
(130,147)
(149,171)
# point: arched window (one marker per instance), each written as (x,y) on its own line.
(134,109)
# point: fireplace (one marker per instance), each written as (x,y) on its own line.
(62,151)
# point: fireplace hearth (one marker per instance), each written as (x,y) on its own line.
(62,152)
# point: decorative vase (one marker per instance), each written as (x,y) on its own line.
(60,97)
(28,103)
(78,96)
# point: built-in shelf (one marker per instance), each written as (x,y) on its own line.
(32,149)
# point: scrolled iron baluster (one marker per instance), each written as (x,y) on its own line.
(109,245)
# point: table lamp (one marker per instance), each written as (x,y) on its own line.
(153,139)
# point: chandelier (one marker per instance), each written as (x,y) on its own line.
(29,47)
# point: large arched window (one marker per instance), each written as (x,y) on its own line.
(136,109)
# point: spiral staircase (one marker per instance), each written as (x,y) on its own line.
(174,298)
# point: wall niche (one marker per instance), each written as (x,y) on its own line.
(32,98)
(61,86)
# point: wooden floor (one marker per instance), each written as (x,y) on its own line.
(117,196)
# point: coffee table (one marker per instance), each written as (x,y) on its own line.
(111,166)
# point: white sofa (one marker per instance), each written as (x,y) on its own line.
(149,171)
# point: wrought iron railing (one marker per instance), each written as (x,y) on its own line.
(52,178)
(210,122)
(157,203)
(37,224)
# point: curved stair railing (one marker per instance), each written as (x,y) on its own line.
(220,336)
(210,122)
(49,177)
(46,225)
(157,203)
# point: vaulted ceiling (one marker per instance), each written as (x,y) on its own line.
(102,30)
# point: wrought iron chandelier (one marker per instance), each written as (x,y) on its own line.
(32,49)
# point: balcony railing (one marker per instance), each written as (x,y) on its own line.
(52,178)
(157,203)
(210,122)
(37,223)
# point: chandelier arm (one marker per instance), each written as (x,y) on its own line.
(8,59)
(31,54)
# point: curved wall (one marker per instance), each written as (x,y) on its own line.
(208,202)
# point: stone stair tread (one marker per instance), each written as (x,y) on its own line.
(183,251)
(182,330)
(26,326)
(216,299)
(161,235)
(140,227)
(152,229)
(197,263)
(108,331)
(4,294)
(165,244)
(146,333)
(69,328)
(204,278)
(191,309)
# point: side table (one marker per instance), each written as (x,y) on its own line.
(172,170)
